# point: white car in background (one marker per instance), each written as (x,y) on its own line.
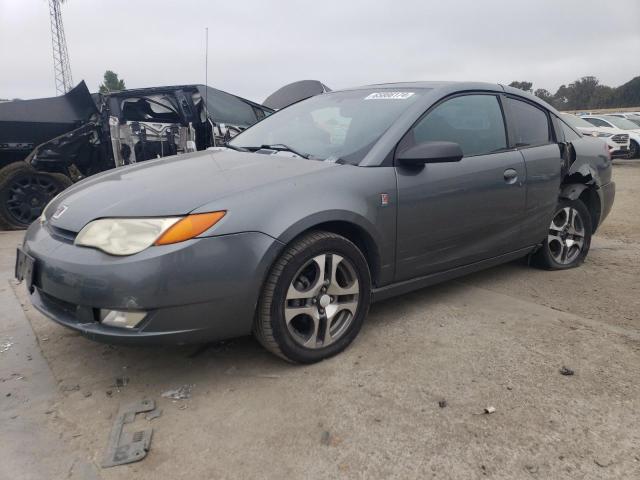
(617,140)
(631,116)
(610,123)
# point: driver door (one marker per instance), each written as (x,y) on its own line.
(452,214)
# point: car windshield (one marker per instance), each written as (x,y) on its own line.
(622,123)
(336,126)
(576,122)
(635,119)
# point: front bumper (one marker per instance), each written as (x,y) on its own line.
(196,291)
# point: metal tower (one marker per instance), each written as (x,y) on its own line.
(61,67)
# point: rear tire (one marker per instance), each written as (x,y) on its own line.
(24,192)
(569,237)
(315,298)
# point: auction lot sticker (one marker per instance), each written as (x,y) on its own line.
(389,96)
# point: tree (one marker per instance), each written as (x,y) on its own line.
(526,86)
(545,95)
(111,82)
(628,95)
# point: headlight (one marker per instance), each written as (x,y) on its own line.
(126,236)
(603,134)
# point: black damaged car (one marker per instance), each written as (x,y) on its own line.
(49,143)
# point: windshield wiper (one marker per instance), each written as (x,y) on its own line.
(284,148)
(233,147)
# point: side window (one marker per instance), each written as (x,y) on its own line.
(226,108)
(597,122)
(531,124)
(474,122)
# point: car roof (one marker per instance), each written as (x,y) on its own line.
(431,85)
(444,88)
(145,91)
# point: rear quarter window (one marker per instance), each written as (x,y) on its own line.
(531,124)
(568,132)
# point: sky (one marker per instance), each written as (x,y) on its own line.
(255,47)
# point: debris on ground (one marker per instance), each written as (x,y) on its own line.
(490,410)
(127,447)
(181,393)
(153,414)
(70,388)
(602,463)
(442,403)
(325,438)
(121,382)
(566,371)
(5,346)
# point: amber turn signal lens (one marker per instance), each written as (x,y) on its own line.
(189,227)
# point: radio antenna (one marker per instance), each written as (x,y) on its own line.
(206,59)
(206,83)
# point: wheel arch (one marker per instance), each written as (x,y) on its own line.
(354,229)
(589,195)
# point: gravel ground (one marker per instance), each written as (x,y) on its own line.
(494,339)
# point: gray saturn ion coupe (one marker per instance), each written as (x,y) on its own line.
(294,227)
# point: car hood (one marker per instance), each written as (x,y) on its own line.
(613,131)
(172,185)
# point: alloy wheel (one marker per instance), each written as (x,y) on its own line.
(28,195)
(566,236)
(322,301)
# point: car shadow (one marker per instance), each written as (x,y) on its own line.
(76,360)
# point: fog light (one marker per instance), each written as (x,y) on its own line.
(117,318)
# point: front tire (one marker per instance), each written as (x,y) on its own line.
(634,149)
(569,237)
(315,298)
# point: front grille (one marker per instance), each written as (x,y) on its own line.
(620,138)
(67,311)
(57,303)
(61,234)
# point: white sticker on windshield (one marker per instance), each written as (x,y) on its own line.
(389,96)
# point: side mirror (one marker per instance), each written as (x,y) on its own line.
(431,152)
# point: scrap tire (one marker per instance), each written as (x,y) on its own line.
(20,182)
(569,239)
(271,327)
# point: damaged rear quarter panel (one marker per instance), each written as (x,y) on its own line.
(591,172)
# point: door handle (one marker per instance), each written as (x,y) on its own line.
(510,176)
